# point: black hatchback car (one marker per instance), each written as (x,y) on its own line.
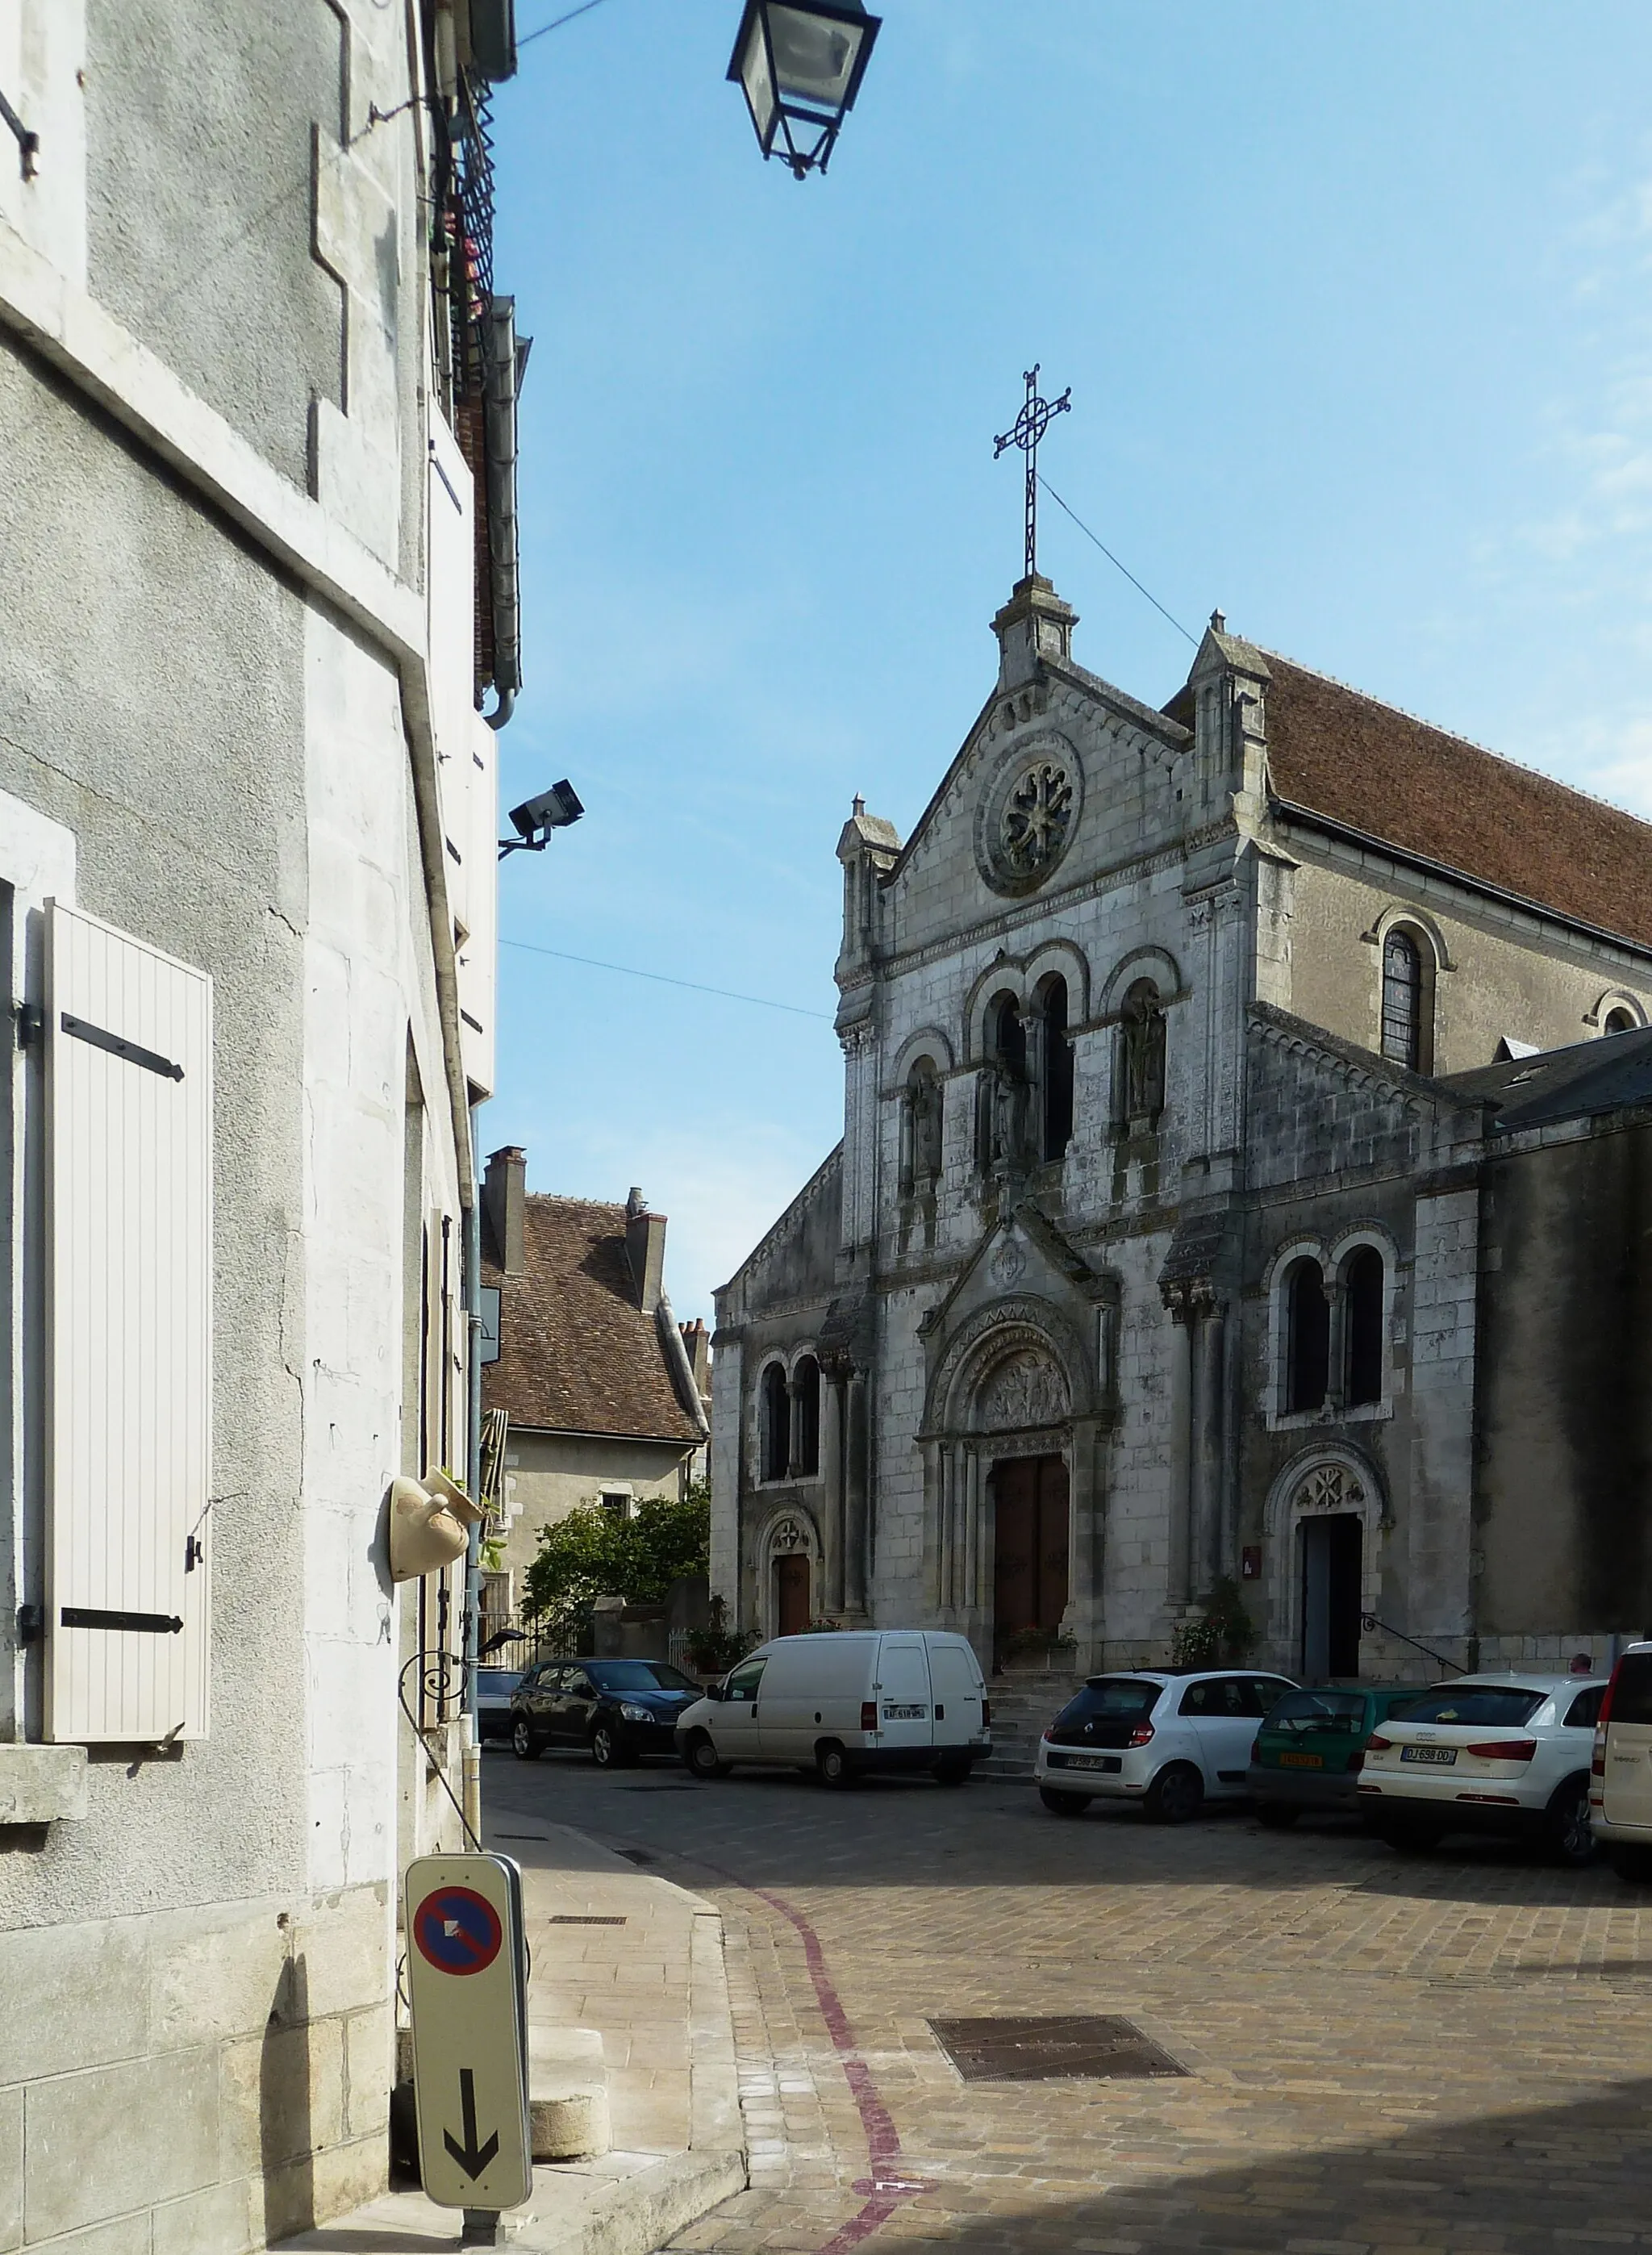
(616,1710)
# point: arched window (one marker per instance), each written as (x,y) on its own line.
(920,1130)
(775,1424)
(1141,1080)
(1308,1364)
(1362,1326)
(806,1386)
(1057,1068)
(1404,1018)
(1618,1021)
(1009,1036)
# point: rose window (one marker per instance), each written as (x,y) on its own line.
(1032,828)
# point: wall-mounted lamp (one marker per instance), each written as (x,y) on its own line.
(799,64)
(536,819)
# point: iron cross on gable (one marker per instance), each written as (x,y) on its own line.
(1031,424)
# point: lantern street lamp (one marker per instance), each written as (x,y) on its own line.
(800,63)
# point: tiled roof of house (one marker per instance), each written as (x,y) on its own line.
(577,1354)
(1612,1073)
(1366,767)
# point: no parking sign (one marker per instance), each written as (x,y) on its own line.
(468,1992)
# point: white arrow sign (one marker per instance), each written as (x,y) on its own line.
(467,1990)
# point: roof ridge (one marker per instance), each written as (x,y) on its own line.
(1454,735)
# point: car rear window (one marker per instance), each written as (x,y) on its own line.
(1479,1704)
(1632,1694)
(1304,1711)
(640,1675)
(1121,1699)
(1584,1711)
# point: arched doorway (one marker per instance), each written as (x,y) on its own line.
(1031,1541)
(1324,1521)
(791,1567)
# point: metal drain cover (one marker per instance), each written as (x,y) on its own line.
(569,1918)
(1038,2050)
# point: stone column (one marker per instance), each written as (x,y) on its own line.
(1207,1452)
(1177,1580)
(831,1467)
(794,1429)
(857,1487)
(1084,1593)
(974,1595)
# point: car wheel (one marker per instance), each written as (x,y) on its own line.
(954,1771)
(701,1758)
(608,1749)
(1174,1796)
(1063,1804)
(832,1766)
(1277,1815)
(524,1744)
(1571,1836)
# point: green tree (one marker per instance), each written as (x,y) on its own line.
(594,1554)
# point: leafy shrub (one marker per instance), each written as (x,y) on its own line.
(593,1554)
(1223,1631)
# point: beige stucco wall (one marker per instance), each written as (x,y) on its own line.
(1504,972)
(548,1475)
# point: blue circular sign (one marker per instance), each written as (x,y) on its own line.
(456,1930)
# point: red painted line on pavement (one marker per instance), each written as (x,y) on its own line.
(885,2188)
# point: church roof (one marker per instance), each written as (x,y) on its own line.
(577,1354)
(1365,767)
(1609,1074)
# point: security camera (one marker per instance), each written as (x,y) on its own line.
(536,819)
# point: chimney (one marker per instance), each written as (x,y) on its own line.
(645,1249)
(504,1194)
(697,1342)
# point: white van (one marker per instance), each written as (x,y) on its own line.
(844,1702)
(1621,1785)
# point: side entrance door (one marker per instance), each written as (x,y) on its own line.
(1029,1547)
(791,1593)
(1331,1597)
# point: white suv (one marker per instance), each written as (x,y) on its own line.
(1621,1787)
(1498,1753)
(1167,1738)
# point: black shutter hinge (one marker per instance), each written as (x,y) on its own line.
(194,1553)
(30,1024)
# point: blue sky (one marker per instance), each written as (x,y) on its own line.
(1356,302)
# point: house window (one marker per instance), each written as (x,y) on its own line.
(1057,1068)
(1402,1016)
(1307,1337)
(774,1420)
(1620,1021)
(1362,1314)
(806,1389)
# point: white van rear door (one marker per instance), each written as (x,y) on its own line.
(955,1683)
(1627,1786)
(903,1693)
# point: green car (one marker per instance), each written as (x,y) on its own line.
(1311,1747)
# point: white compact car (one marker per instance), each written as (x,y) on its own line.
(1620,1789)
(842,1703)
(1499,1753)
(1168,1738)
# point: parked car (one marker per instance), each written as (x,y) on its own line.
(493,1690)
(1310,1749)
(844,1702)
(618,1710)
(1487,1753)
(1620,1786)
(1170,1739)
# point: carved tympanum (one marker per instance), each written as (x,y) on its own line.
(1027,1389)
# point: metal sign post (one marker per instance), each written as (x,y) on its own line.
(467,1990)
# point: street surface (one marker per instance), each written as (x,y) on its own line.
(1449,2052)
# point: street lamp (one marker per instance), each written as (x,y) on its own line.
(800,63)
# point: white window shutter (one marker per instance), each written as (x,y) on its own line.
(128,1045)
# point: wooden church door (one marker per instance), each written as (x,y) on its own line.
(1030,1547)
(791,1593)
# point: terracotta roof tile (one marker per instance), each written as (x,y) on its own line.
(577,1353)
(1368,768)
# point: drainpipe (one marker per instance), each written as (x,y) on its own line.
(506,360)
(472,1282)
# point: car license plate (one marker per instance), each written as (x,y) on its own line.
(908,1714)
(1085,1761)
(1302,1762)
(1441,1755)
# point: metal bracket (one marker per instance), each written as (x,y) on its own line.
(28,144)
(31,1624)
(31,1024)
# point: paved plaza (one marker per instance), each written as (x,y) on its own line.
(1450,2052)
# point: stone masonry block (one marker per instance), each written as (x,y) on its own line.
(75,1996)
(283,2095)
(216,2222)
(11,2170)
(344,1941)
(218,1973)
(101,2144)
(367,2070)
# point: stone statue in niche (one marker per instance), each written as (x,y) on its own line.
(923,1115)
(1142,1020)
(1009,1118)
(1026,1390)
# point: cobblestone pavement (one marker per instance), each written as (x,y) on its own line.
(1450,2052)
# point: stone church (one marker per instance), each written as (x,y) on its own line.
(1245,1178)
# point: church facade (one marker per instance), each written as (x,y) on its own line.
(1212,1103)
